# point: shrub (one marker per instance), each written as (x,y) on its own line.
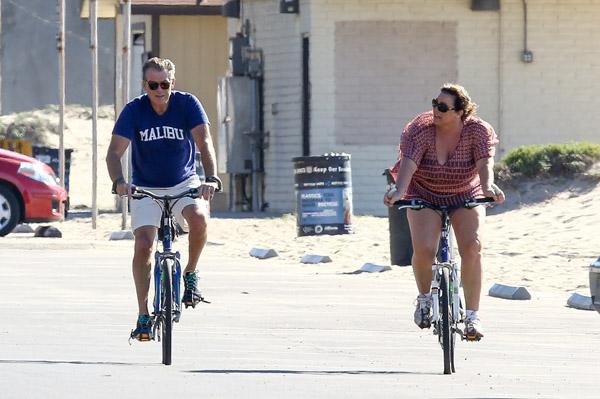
(28,126)
(550,159)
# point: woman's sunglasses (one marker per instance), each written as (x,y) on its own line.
(442,107)
(165,85)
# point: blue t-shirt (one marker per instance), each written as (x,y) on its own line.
(163,148)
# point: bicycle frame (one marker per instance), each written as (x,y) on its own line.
(445,261)
(168,231)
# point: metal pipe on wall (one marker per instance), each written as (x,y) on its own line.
(499,124)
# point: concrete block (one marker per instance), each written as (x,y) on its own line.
(47,231)
(121,235)
(22,228)
(581,302)
(263,253)
(313,259)
(371,268)
(508,292)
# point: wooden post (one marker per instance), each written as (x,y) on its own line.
(126,161)
(61,90)
(94,48)
(0,60)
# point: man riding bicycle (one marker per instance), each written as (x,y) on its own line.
(164,127)
(447,157)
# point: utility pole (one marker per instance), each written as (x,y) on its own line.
(94,49)
(61,90)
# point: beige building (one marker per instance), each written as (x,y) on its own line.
(372,65)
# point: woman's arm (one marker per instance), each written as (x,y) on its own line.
(407,169)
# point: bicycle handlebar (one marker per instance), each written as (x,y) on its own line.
(139,193)
(420,204)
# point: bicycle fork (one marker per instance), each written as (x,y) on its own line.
(176,281)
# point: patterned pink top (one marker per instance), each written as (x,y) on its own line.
(458,179)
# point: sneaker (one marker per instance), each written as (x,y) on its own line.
(423,311)
(473,329)
(191,295)
(143,328)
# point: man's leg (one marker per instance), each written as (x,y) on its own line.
(142,265)
(196,217)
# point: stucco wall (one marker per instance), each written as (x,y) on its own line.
(549,100)
(30,59)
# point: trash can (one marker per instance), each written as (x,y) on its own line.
(595,284)
(323,186)
(400,242)
(49,156)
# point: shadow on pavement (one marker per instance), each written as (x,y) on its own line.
(315,372)
(15,361)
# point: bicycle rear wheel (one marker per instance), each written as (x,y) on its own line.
(167,312)
(447,336)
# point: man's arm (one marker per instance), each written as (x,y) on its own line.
(116,149)
(203,140)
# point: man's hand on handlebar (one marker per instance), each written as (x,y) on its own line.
(207,190)
(123,188)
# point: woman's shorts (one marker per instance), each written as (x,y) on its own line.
(146,212)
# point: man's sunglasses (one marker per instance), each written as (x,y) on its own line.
(165,85)
(442,107)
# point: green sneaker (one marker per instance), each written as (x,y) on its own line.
(143,328)
(191,295)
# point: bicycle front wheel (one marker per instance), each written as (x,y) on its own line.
(167,312)
(446,322)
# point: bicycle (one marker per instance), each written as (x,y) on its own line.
(446,288)
(167,271)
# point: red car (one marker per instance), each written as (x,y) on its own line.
(29,192)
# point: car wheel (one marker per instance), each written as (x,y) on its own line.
(10,212)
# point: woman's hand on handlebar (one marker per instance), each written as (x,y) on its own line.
(494,192)
(391,196)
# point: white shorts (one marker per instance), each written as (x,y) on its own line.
(146,212)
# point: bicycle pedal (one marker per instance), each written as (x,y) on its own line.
(473,338)
(188,304)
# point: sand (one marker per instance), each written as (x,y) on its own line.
(543,238)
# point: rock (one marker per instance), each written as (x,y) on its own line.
(263,253)
(121,235)
(314,259)
(581,302)
(22,228)
(371,268)
(508,292)
(47,231)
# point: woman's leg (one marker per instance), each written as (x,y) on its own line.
(466,224)
(425,226)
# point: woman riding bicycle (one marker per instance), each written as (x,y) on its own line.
(446,157)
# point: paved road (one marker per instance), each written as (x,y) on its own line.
(274,330)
